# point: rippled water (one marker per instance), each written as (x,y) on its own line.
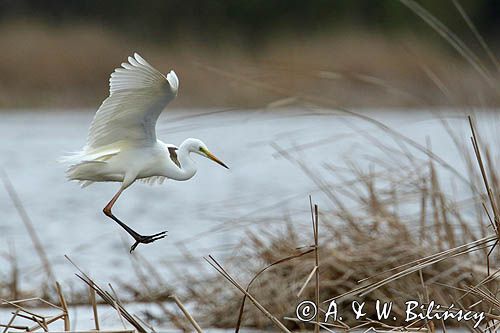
(206,214)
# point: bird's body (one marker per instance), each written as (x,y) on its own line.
(113,163)
(122,145)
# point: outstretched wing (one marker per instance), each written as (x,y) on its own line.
(138,93)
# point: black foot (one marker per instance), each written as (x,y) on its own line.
(147,239)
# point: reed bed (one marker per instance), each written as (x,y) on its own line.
(440,248)
(359,245)
(28,318)
(392,231)
(376,222)
(392,234)
(64,66)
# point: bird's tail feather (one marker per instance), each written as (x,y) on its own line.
(82,164)
(85,183)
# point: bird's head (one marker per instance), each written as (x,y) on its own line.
(198,147)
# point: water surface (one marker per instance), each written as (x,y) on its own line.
(207,214)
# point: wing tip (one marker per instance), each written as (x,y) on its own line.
(123,77)
(132,61)
(140,59)
(173,80)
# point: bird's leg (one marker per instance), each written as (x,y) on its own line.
(138,237)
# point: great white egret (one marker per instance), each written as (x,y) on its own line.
(122,144)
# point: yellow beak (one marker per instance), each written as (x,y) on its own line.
(212,157)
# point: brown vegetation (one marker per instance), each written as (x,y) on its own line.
(401,237)
(370,250)
(68,66)
(390,234)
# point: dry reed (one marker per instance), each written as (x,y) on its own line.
(68,66)
(367,250)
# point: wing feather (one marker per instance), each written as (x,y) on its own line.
(138,93)
(153,180)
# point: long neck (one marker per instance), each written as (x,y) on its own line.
(188,167)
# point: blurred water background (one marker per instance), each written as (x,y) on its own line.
(208,214)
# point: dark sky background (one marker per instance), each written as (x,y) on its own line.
(252,21)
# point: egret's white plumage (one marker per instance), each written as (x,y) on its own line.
(122,145)
(138,93)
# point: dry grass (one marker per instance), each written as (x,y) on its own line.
(68,66)
(376,222)
(370,250)
(373,238)
(26,317)
(390,234)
